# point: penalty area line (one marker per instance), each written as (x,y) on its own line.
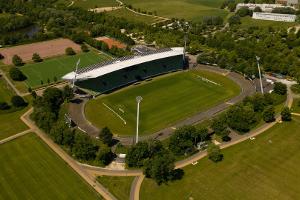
(114,113)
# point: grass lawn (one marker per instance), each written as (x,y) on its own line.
(130,16)
(5,91)
(296,105)
(166,100)
(248,22)
(58,67)
(118,186)
(87,4)
(30,170)
(188,9)
(265,168)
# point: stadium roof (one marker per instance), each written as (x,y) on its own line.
(100,69)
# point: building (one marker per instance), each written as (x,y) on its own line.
(264,7)
(106,76)
(274,17)
(288,2)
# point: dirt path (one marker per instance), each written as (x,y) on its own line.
(12,85)
(15,136)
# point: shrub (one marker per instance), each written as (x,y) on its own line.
(18,101)
(36,58)
(70,51)
(16,74)
(1,56)
(286,114)
(17,61)
(84,48)
(235,19)
(243,12)
(257,9)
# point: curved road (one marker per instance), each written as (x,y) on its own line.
(247,88)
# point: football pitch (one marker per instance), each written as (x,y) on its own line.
(58,67)
(166,100)
(264,168)
(30,170)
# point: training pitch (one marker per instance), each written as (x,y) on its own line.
(188,9)
(58,67)
(30,170)
(166,100)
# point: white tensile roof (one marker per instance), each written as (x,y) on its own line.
(101,69)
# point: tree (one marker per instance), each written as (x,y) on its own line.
(4,106)
(44,119)
(257,9)
(83,147)
(53,98)
(269,114)
(70,51)
(280,88)
(214,153)
(18,101)
(220,128)
(17,60)
(68,93)
(106,136)
(36,58)
(16,74)
(243,12)
(1,56)
(104,155)
(182,141)
(137,154)
(286,114)
(233,20)
(84,48)
(160,167)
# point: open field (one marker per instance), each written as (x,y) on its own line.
(119,186)
(130,16)
(87,4)
(44,49)
(30,170)
(166,100)
(296,105)
(57,67)
(188,9)
(111,42)
(265,168)
(248,22)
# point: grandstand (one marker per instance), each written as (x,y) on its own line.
(109,75)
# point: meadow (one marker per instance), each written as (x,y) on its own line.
(88,4)
(132,17)
(193,10)
(264,168)
(58,67)
(248,22)
(31,170)
(119,186)
(166,100)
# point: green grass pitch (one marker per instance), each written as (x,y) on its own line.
(264,168)
(58,67)
(30,170)
(188,9)
(166,100)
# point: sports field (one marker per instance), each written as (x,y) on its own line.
(264,168)
(166,100)
(58,67)
(30,170)
(132,17)
(188,9)
(87,4)
(119,186)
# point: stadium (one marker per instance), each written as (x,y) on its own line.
(110,75)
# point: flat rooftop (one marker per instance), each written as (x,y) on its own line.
(100,69)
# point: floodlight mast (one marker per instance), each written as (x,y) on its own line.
(75,75)
(138,100)
(259,72)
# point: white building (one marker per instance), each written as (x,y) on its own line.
(274,17)
(264,7)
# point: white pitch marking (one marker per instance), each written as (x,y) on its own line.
(114,113)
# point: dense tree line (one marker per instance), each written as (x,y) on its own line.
(48,116)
